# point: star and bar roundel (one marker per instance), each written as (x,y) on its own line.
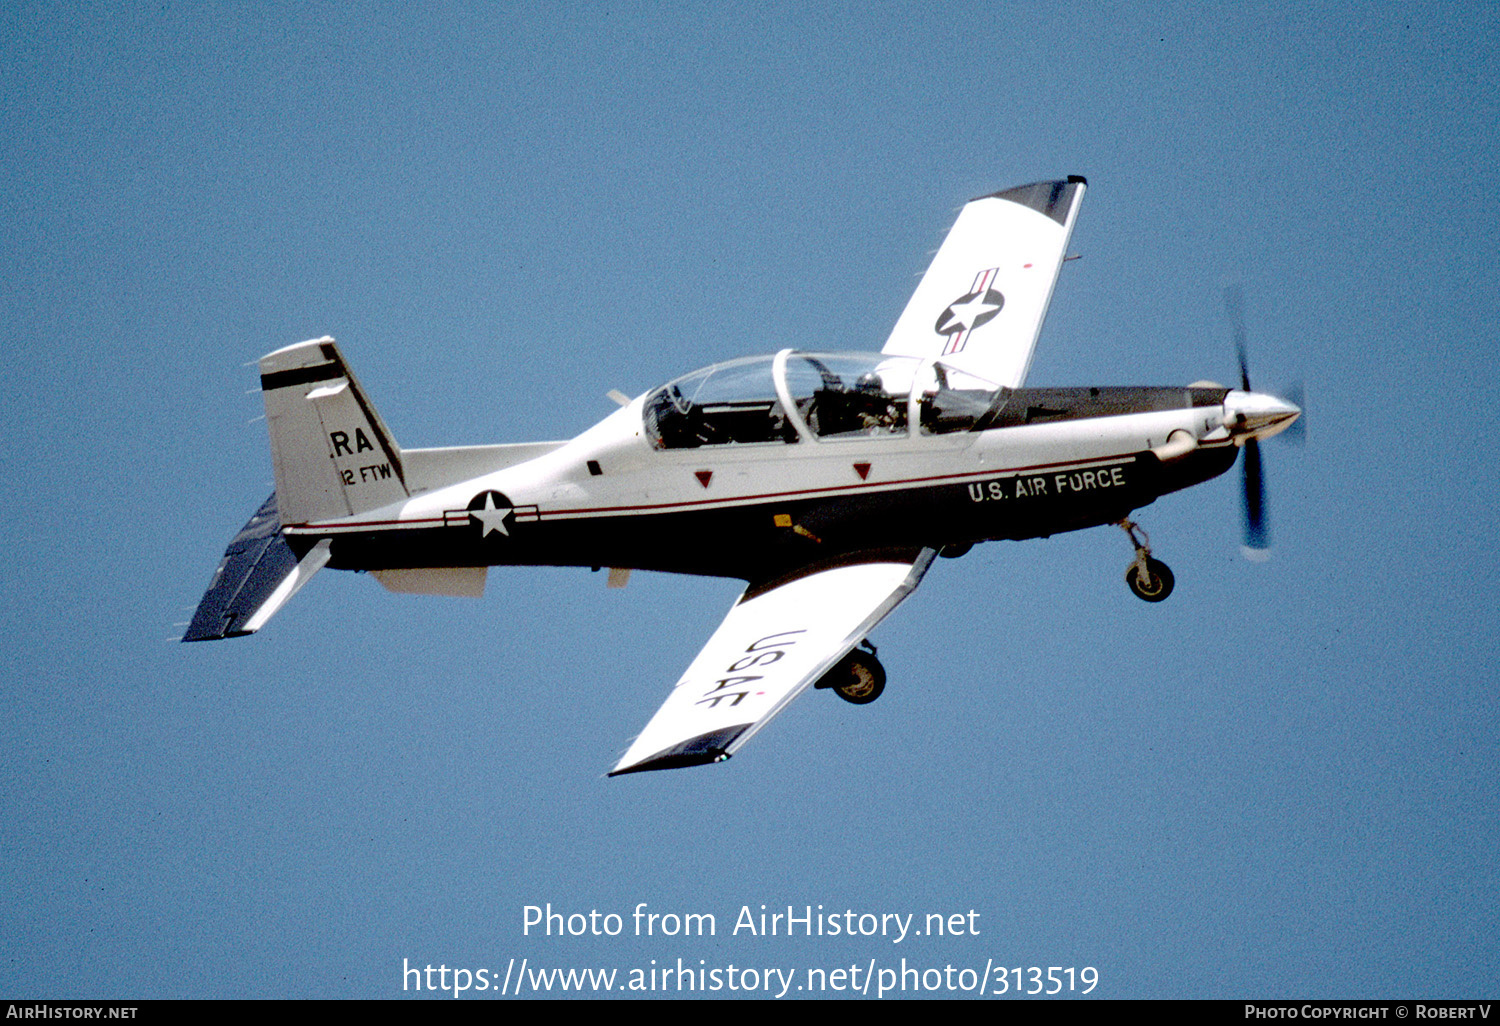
(490,514)
(974,309)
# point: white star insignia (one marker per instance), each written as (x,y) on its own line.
(491,517)
(965,314)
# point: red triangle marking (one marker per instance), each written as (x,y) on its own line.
(862,469)
(704,476)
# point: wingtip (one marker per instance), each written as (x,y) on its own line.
(671,762)
(1054,198)
(698,751)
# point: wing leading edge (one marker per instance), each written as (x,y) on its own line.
(981,304)
(769,649)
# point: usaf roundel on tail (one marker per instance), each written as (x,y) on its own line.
(828,482)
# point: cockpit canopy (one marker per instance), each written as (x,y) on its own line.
(794,396)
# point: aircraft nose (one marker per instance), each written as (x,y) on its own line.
(1258,415)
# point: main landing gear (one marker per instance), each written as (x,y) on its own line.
(1148,578)
(858,677)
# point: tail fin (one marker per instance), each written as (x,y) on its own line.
(333,455)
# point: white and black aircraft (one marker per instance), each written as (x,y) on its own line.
(827,481)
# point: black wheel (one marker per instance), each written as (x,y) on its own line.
(1152,586)
(858,678)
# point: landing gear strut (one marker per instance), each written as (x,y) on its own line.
(1148,578)
(858,677)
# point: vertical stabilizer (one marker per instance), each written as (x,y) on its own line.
(333,455)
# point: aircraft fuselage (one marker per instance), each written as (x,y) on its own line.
(1058,460)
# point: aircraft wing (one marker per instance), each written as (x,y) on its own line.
(774,643)
(982,302)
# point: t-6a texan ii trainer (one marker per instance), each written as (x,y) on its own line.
(827,481)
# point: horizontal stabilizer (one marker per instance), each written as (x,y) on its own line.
(258,574)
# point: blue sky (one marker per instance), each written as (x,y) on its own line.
(1281,782)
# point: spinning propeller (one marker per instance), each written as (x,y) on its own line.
(1259,416)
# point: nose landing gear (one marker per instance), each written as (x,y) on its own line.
(1149,578)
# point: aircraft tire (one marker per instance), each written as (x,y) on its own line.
(858,678)
(1158,582)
